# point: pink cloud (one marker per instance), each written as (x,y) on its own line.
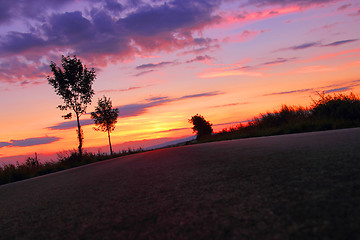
(227,72)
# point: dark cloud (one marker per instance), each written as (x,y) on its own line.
(207,94)
(29,142)
(201,50)
(144,72)
(230,105)
(101,35)
(14,9)
(278,61)
(200,59)
(121,90)
(342,89)
(337,43)
(4,144)
(170,17)
(301,3)
(135,109)
(113,6)
(355,14)
(343,7)
(318,44)
(289,92)
(71,124)
(153,65)
(304,46)
(14,69)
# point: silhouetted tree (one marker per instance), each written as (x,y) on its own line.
(73,84)
(201,126)
(105,117)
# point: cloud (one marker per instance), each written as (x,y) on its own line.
(230,105)
(355,14)
(4,144)
(304,46)
(71,124)
(123,89)
(202,58)
(318,44)
(132,110)
(207,94)
(15,69)
(343,7)
(278,61)
(337,43)
(29,142)
(342,89)
(135,109)
(301,3)
(144,72)
(100,34)
(153,65)
(227,72)
(289,92)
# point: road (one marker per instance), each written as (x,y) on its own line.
(300,186)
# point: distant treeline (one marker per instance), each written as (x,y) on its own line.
(326,113)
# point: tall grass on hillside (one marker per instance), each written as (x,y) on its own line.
(326,113)
(66,160)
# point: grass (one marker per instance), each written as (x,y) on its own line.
(328,112)
(66,160)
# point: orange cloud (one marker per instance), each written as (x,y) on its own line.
(332,55)
(227,72)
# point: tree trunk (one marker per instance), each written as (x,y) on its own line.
(111,152)
(80,135)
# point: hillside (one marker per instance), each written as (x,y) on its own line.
(299,186)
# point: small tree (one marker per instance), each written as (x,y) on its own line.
(105,117)
(74,84)
(201,126)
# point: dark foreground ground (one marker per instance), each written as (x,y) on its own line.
(301,186)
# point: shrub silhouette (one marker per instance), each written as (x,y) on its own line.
(74,84)
(338,106)
(201,126)
(105,117)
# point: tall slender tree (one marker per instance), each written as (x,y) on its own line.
(73,83)
(105,117)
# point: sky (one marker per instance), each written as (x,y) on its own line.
(163,61)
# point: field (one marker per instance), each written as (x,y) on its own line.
(298,186)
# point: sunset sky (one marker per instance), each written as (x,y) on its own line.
(162,61)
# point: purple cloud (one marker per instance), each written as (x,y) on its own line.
(342,89)
(337,43)
(302,3)
(101,34)
(304,46)
(71,124)
(289,92)
(153,65)
(29,142)
(135,109)
(144,72)
(343,7)
(278,61)
(200,59)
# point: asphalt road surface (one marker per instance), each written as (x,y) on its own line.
(300,186)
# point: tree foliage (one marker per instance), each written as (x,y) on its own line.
(73,83)
(201,126)
(105,117)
